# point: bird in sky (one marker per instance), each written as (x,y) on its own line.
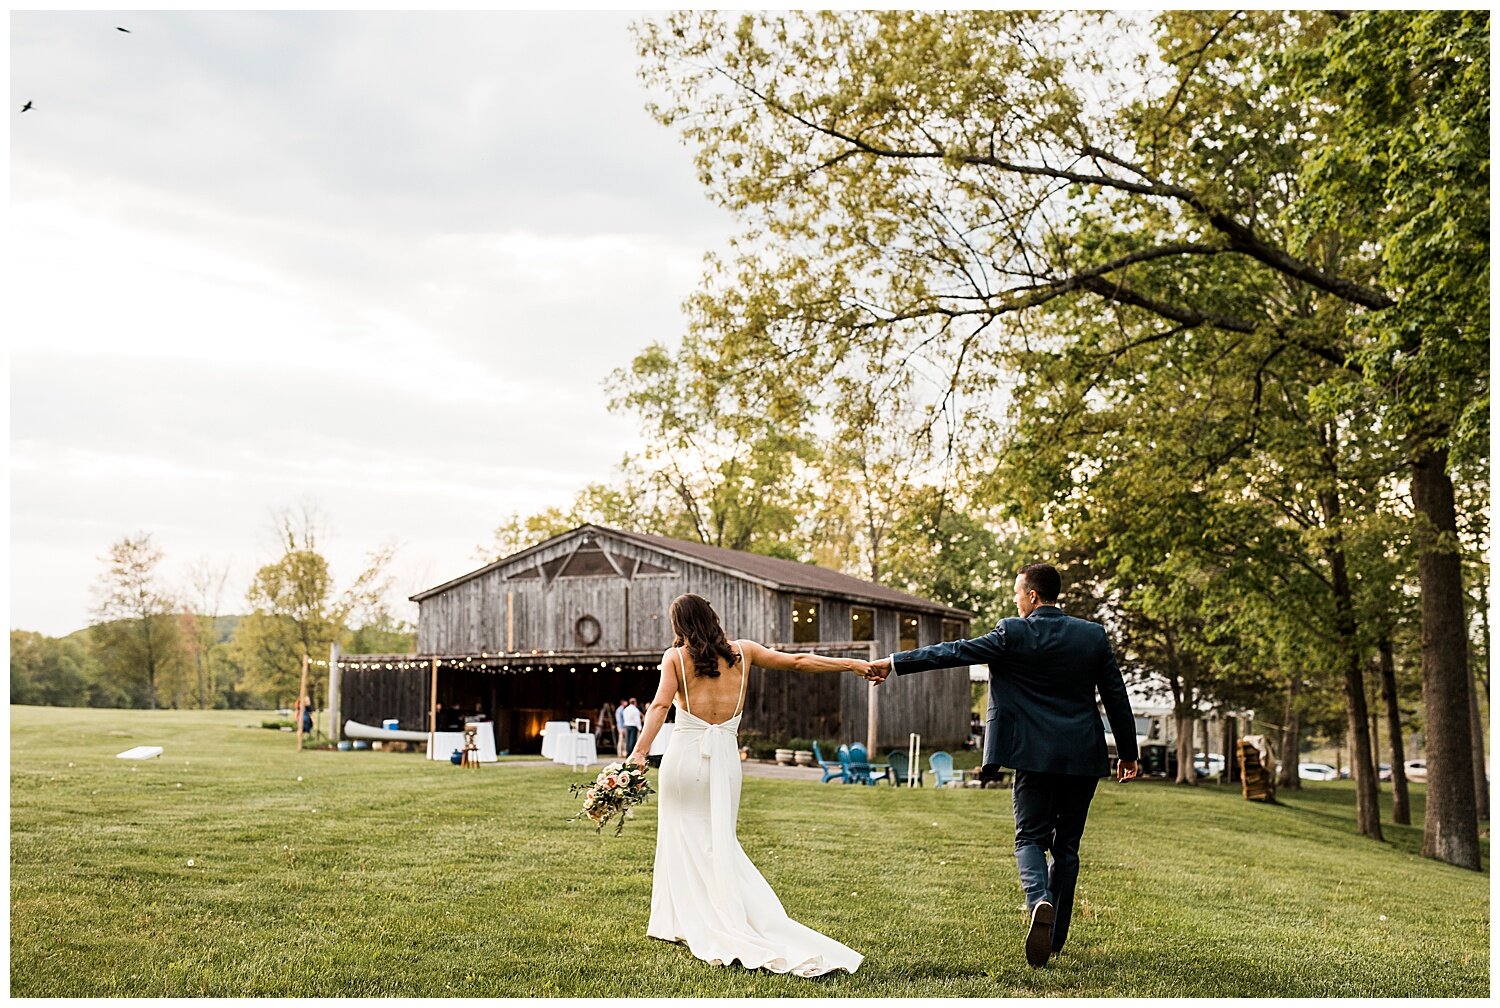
(26,107)
(125,30)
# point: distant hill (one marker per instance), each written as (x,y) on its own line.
(223,628)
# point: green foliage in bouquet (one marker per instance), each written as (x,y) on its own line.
(618,788)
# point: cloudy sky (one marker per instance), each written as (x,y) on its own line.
(378,262)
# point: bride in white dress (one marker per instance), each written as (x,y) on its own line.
(705,892)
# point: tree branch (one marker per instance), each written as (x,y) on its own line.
(1242,238)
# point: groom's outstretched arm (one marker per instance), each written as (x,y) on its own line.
(952,654)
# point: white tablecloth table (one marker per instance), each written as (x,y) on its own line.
(554,732)
(575,749)
(444,742)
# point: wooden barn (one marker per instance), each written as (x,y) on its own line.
(557,631)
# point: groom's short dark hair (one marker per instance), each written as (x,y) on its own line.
(1044,580)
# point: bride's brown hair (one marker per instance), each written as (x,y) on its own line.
(696,626)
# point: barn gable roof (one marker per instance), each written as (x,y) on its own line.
(772,572)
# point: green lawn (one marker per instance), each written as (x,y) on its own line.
(214,871)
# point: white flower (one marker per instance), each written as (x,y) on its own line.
(299,778)
(190,862)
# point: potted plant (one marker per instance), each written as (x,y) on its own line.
(802,751)
(785,756)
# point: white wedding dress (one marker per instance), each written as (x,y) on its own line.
(704,891)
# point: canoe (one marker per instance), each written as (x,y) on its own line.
(355,730)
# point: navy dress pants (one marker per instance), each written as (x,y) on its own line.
(1050,813)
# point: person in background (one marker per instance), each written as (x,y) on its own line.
(620,729)
(632,725)
(307,722)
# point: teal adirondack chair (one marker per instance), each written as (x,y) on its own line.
(832,769)
(900,772)
(942,769)
(858,771)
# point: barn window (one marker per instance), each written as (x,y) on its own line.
(861,623)
(588,561)
(650,568)
(909,624)
(804,620)
(953,630)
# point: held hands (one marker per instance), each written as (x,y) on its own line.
(875,672)
(1128,770)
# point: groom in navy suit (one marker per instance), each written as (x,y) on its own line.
(1045,668)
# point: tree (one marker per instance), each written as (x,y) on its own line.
(1409,150)
(49,671)
(725,458)
(598,503)
(295,610)
(136,639)
(206,584)
(919,183)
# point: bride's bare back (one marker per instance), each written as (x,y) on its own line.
(712,698)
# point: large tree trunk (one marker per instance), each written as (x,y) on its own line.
(1400,800)
(1476,735)
(1480,681)
(1451,831)
(1291,740)
(1186,729)
(1361,763)
(1231,735)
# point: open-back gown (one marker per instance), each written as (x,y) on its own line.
(705,891)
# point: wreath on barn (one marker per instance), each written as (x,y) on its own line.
(587,631)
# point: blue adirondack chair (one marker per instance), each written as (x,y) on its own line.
(900,772)
(942,769)
(859,765)
(832,769)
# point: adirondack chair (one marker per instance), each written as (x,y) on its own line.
(832,769)
(942,769)
(859,765)
(900,772)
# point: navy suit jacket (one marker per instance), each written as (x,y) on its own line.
(1044,672)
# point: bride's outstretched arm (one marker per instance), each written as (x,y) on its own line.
(802,661)
(656,712)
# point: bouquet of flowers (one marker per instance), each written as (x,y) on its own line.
(618,788)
